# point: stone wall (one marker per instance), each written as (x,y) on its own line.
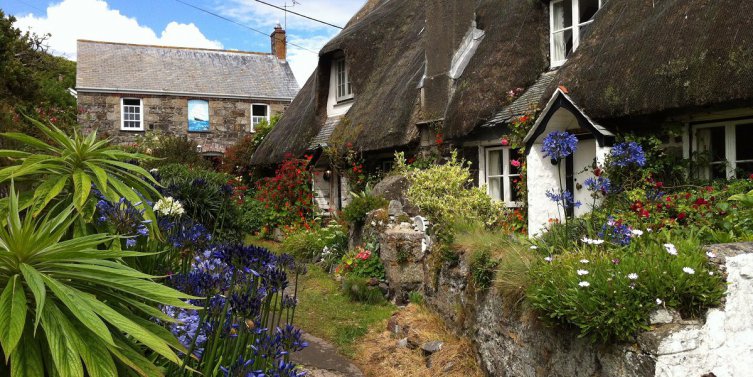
(511,342)
(229,119)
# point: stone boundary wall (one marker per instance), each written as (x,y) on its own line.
(509,343)
(229,119)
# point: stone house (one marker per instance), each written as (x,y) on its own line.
(421,73)
(214,97)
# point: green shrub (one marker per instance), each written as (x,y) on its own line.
(361,262)
(361,204)
(483,268)
(609,296)
(206,197)
(359,289)
(253,214)
(446,194)
(169,149)
(310,244)
(415,297)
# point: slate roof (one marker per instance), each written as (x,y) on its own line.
(119,67)
(531,98)
(322,138)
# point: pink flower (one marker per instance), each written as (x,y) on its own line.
(506,142)
(515,163)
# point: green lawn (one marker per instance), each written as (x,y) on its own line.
(325,312)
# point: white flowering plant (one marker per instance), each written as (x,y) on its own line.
(169,206)
(609,294)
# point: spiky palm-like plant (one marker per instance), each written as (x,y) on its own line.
(68,307)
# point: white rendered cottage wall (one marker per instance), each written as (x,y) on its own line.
(542,176)
(724,344)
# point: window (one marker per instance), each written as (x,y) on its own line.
(569,21)
(503,174)
(724,149)
(259,113)
(344,90)
(131,114)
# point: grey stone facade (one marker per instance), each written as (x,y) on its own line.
(229,119)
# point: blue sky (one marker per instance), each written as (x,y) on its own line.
(168,22)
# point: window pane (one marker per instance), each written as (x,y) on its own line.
(494,165)
(587,9)
(562,15)
(563,45)
(514,160)
(744,169)
(744,141)
(514,195)
(260,110)
(495,189)
(131,102)
(718,150)
(718,171)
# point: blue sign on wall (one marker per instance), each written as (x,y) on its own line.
(198,115)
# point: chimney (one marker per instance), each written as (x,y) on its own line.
(279,42)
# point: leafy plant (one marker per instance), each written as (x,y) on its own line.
(483,268)
(169,149)
(361,290)
(69,168)
(310,244)
(361,204)
(85,305)
(362,263)
(288,195)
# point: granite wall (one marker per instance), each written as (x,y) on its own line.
(229,119)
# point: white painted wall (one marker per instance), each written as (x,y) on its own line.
(322,191)
(724,344)
(334,108)
(542,176)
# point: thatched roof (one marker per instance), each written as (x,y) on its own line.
(382,45)
(295,129)
(513,54)
(659,57)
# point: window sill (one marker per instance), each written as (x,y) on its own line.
(344,101)
(132,130)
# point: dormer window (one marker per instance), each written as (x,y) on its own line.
(342,74)
(569,20)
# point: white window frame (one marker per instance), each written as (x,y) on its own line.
(575,26)
(505,177)
(730,144)
(122,114)
(267,117)
(342,80)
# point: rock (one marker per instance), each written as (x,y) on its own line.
(432,347)
(392,325)
(402,343)
(413,339)
(373,282)
(395,208)
(392,187)
(662,316)
(384,288)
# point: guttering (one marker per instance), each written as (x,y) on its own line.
(178,94)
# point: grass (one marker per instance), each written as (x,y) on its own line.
(326,312)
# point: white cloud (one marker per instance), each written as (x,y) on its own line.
(303,62)
(94,19)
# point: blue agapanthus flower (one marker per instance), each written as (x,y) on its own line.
(564,199)
(189,327)
(616,232)
(559,144)
(628,153)
(125,217)
(599,184)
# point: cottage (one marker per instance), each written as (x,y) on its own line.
(422,75)
(214,97)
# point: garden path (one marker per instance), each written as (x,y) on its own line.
(321,359)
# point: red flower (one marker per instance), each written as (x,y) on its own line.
(515,163)
(506,142)
(681,216)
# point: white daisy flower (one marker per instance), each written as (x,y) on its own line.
(688,270)
(637,232)
(548,259)
(659,301)
(711,273)
(534,247)
(582,272)
(670,248)
(633,276)
(584,284)
(584,261)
